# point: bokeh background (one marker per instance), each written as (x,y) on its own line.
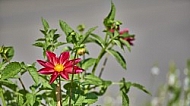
(162,29)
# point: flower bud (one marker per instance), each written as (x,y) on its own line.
(81,51)
(81,27)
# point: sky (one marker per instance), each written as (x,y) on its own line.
(162,29)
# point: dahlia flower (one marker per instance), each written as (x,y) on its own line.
(59,66)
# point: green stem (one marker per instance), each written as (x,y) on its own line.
(58,93)
(101,54)
(104,64)
(22,84)
(72,77)
(2,97)
(98,60)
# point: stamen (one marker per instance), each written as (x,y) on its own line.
(58,67)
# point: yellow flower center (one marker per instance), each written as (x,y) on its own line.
(59,67)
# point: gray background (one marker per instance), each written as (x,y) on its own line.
(162,29)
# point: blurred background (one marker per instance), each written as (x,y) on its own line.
(162,29)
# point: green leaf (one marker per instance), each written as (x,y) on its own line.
(87,63)
(45,82)
(65,27)
(118,57)
(107,83)
(41,39)
(92,79)
(59,44)
(79,99)
(45,24)
(30,99)
(34,74)
(20,100)
(90,98)
(56,36)
(125,99)
(9,84)
(141,87)
(86,35)
(39,44)
(126,43)
(7,53)
(124,88)
(11,70)
(111,16)
(99,40)
(118,43)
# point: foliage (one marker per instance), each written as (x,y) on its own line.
(174,92)
(81,89)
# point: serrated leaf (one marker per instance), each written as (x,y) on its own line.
(65,27)
(126,43)
(118,57)
(141,87)
(9,84)
(34,74)
(87,63)
(10,70)
(98,39)
(45,24)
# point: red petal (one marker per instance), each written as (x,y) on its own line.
(46,71)
(45,64)
(51,57)
(126,30)
(70,63)
(76,61)
(63,57)
(78,70)
(53,77)
(64,75)
(73,71)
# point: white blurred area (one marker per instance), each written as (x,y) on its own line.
(162,29)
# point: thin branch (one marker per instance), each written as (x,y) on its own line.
(72,77)
(58,93)
(104,64)
(22,84)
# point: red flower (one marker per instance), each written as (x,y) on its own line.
(59,66)
(129,39)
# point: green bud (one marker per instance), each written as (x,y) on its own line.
(81,27)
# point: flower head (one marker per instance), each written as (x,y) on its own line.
(59,66)
(129,39)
